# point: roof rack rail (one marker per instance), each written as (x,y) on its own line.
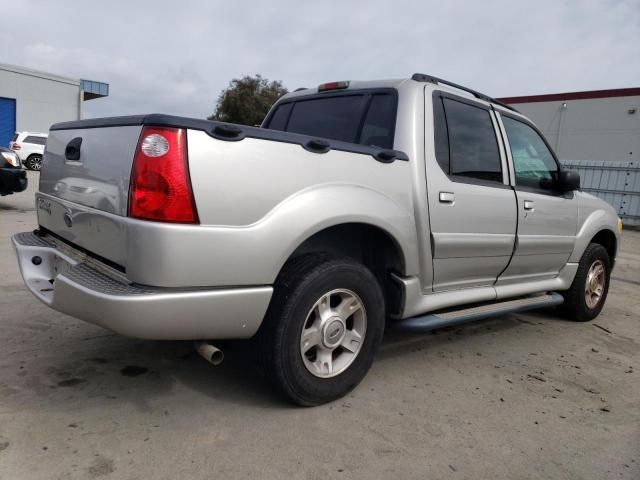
(421,77)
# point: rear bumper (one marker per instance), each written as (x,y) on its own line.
(12,180)
(77,286)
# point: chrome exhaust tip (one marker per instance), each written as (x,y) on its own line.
(210,353)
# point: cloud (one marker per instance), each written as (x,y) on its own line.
(175,57)
(135,87)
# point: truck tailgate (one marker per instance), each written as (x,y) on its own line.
(99,178)
(89,193)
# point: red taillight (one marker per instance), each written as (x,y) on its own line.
(15,146)
(160,184)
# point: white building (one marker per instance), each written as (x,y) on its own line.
(596,125)
(31,100)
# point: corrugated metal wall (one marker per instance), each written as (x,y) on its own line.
(617,183)
(606,128)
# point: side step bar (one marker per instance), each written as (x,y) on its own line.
(426,323)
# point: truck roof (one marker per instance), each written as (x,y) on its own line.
(397,83)
(353,85)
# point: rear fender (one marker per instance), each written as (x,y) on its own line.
(254,254)
(328,206)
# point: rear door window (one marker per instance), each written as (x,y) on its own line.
(35,140)
(441,135)
(470,147)
(367,119)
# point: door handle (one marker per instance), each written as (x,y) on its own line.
(528,205)
(447,197)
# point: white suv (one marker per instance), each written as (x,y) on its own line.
(30,147)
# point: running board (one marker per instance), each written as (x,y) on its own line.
(426,323)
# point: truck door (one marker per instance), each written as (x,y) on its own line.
(472,207)
(547,219)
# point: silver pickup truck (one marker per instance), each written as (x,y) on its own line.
(413,203)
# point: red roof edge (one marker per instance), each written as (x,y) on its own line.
(555,97)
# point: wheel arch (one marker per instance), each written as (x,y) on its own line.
(367,243)
(608,240)
(598,227)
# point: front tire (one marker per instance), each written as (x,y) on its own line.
(322,329)
(588,292)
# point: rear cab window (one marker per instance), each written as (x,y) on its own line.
(362,117)
(280,117)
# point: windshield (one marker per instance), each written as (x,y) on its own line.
(364,118)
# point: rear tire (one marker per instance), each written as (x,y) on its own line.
(34,162)
(323,307)
(588,292)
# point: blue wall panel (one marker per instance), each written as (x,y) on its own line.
(7,120)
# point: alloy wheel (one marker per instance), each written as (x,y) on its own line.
(594,285)
(333,333)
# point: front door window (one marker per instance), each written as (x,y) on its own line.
(533,162)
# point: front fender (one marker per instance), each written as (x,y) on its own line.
(596,216)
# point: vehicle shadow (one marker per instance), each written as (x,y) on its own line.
(397,342)
(237,380)
(111,370)
(10,208)
(114,369)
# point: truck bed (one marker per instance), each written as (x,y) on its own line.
(245,182)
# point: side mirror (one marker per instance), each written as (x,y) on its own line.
(568,180)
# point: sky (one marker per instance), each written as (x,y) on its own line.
(175,57)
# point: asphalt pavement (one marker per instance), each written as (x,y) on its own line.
(520,396)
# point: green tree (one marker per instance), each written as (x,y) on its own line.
(247,100)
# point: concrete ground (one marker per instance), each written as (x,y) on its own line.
(521,396)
